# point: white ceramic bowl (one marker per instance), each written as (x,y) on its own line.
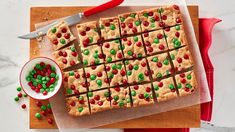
(28,67)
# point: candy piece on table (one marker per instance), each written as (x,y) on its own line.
(23,106)
(137,71)
(159,65)
(112,51)
(116,73)
(78,105)
(154,42)
(133,47)
(38,115)
(99,100)
(141,95)
(50,120)
(109,28)
(120,97)
(74,82)
(175,37)
(18,89)
(88,33)
(16,99)
(165,89)
(129,23)
(66,57)
(96,77)
(60,35)
(186,83)
(181,58)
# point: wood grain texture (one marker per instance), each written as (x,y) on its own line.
(181,118)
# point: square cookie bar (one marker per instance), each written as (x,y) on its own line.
(120,97)
(99,100)
(141,95)
(88,33)
(92,55)
(133,47)
(181,58)
(60,35)
(165,89)
(150,19)
(186,83)
(78,105)
(170,15)
(66,57)
(130,23)
(154,42)
(175,37)
(96,77)
(159,65)
(116,73)
(137,71)
(112,51)
(74,82)
(109,28)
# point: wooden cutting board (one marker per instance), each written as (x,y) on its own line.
(181,118)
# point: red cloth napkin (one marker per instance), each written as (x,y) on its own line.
(205,25)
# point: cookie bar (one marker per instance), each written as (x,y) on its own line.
(74,82)
(154,42)
(66,57)
(78,105)
(186,83)
(137,71)
(109,28)
(133,47)
(181,58)
(165,89)
(60,35)
(112,51)
(170,15)
(159,65)
(150,19)
(116,73)
(120,97)
(141,95)
(92,55)
(99,100)
(175,37)
(96,77)
(88,33)
(130,23)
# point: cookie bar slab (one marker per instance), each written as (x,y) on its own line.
(129,23)
(60,35)
(133,47)
(96,77)
(88,33)
(159,65)
(74,82)
(150,19)
(120,97)
(141,95)
(99,100)
(116,73)
(175,37)
(112,51)
(66,57)
(78,105)
(165,89)
(109,28)
(154,42)
(137,71)
(186,83)
(92,55)
(181,58)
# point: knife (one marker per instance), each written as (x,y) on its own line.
(71,20)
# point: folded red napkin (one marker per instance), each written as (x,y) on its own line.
(205,25)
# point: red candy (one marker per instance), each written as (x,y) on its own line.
(44,92)
(74,54)
(161,24)
(148,89)
(119,55)
(159,36)
(58,35)
(115,71)
(179,60)
(67,36)
(38,103)
(72,63)
(141,96)
(107,68)
(182,75)
(147,43)
(19,95)
(143,64)
(145,23)
(177,34)
(129,43)
(64,61)
(156,18)
(23,106)
(134,30)
(159,64)
(186,56)
(55,42)
(50,120)
(64,30)
(164,17)
(161,47)
(97,97)
(150,13)
(107,24)
(88,29)
(100,103)
(130,67)
(123,72)
(43,112)
(99,74)
(136,87)
(146,34)
(139,44)
(130,25)
(167,29)
(117,89)
(64,54)
(72,103)
(183,80)
(123,25)
(160,84)
(176,7)
(107,45)
(178,20)
(146,73)
(83,33)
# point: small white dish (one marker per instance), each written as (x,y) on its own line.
(30,66)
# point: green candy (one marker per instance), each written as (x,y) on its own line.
(177,44)
(16,98)
(133,93)
(53,30)
(43,78)
(90,39)
(139,55)
(93,77)
(179,86)
(116,97)
(109,59)
(137,23)
(96,55)
(146,14)
(126,62)
(119,66)
(38,66)
(52,75)
(35,83)
(146,95)
(85,62)
(133,15)
(102,27)
(122,19)
(188,86)
(28,78)
(43,107)
(80,98)
(116,41)
(171,86)
(166,62)
(159,75)
(72,48)
(49,106)
(52,89)
(189,77)
(155,59)
(121,103)
(99,82)
(97,61)
(128,100)
(129,53)
(86,52)
(156,40)
(112,27)
(129,72)
(136,67)
(172,56)
(106,94)
(114,66)
(152,25)
(177,27)
(156,88)
(41,90)
(152,20)
(18,89)
(90,94)
(38,115)
(112,51)
(135,38)
(25,95)
(69,91)
(157,95)
(160,10)
(71,73)
(62,41)
(80,109)
(141,76)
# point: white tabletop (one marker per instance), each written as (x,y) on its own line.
(14,53)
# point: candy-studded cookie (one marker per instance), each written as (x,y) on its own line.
(109,28)
(120,97)
(92,55)
(112,51)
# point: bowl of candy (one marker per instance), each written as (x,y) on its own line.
(41,78)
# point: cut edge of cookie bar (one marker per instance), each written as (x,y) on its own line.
(120,97)
(109,28)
